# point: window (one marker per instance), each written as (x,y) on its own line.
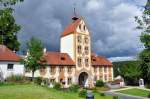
(86,49)
(52,70)
(105,77)
(79,39)
(101,77)
(80,26)
(105,69)
(69,81)
(43,71)
(86,62)
(10,66)
(95,78)
(101,70)
(79,61)
(109,69)
(84,28)
(69,69)
(95,69)
(86,40)
(52,80)
(79,49)
(61,69)
(62,58)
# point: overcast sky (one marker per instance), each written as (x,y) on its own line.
(111,23)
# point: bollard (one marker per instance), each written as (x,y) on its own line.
(89,95)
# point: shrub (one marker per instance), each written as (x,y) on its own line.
(102,94)
(148,86)
(99,83)
(148,95)
(38,80)
(74,88)
(15,79)
(45,81)
(83,93)
(57,86)
(1,83)
(94,90)
(115,97)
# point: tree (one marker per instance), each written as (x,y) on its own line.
(144,56)
(130,72)
(34,59)
(8,26)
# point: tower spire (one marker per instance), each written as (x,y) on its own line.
(75,14)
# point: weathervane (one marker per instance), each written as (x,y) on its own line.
(74,9)
(75,14)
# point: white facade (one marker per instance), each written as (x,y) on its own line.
(67,45)
(16,69)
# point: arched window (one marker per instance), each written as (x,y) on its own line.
(79,38)
(79,61)
(79,49)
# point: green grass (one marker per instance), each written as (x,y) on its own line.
(38,92)
(135,92)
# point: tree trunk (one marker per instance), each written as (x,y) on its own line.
(32,75)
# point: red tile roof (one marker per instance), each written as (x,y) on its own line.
(70,28)
(7,55)
(57,58)
(100,61)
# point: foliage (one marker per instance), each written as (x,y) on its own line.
(115,97)
(144,25)
(82,93)
(129,70)
(57,86)
(15,79)
(1,83)
(38,80)
(74,88)
(102,94)
(118,65)
(34,59)
(94,90)
(6,3)
(45,81)
(8,26)
(147,86)
(99,83)
(148,95)
(8,29)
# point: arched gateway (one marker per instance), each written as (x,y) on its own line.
(83,79)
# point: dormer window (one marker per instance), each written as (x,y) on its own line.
(80,26)
(94,59)
(62,58)
(84,28)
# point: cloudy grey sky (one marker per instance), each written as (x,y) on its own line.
(111,23)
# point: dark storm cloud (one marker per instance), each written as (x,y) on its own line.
(111,23)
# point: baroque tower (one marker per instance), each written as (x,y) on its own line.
(76,41)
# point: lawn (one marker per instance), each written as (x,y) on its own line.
(135,92)
(38,92)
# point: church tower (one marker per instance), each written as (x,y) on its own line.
(76,41)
